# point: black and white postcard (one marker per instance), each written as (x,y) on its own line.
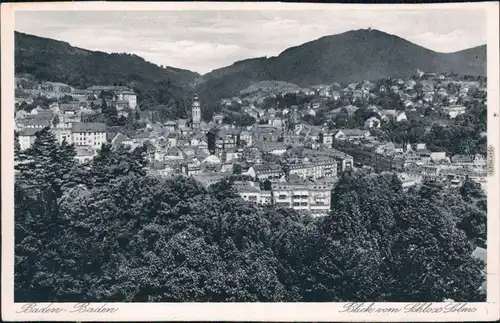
(250,162)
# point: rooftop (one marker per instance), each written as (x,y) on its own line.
(89,127)
(28,131)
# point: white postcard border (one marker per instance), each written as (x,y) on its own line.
(243,311)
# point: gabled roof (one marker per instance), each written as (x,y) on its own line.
(89,127)
(36,122)
(354,132)
(246,187)
(119,139)
(68,107)
(461,158)
(28,131)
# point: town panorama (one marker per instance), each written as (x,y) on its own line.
(133,189)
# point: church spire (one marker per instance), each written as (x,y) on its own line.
(196,112)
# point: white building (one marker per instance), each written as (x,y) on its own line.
(372,122)
(313,197)
(130,97)
(84,154)
(455,110)
(89,134)
(27,137)
(401,116)
(315,170)
(250,191)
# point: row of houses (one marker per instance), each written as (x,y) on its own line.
(450,177)
(312,196)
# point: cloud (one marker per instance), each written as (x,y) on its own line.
(453,41)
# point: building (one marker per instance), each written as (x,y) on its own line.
(218,118)
(122,93)
(69,115)
(84,154)
(89,134)
(265,171)
(62,134)
(401,116)
(35,122)
(328,139)
(170,126)
(246,139)
(455,110)
(128,96)
(310,196)
(315,169)
(196,113)
(462,160)
(372,122)
(275,148)
(172,139)
(27,137)
(226,139)
(410,179)
(250,191)
(352,134)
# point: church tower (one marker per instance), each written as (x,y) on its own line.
(196,112)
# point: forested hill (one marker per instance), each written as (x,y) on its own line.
(58,61)
(347,57)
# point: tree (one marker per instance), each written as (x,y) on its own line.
(267,185)
(66,98)
(110,165)
(390,231)
(43,172)
(237,169)
(471,190)
(55,121)
(127,236)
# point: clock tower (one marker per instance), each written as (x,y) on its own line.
(196,112)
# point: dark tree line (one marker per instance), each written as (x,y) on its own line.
(106,231)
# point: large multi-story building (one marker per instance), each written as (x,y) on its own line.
(313,197)
(314,169)
(122,93)
(310,196)
(250,191)
(92,135)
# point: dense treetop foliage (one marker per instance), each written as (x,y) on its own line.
(106,231)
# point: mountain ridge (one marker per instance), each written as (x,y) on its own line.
(350,56)
(47,59)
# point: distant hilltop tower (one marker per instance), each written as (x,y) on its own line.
(196,112)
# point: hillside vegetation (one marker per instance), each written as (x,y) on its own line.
(52,60)
(350,56)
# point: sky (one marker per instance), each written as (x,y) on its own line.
(202,41)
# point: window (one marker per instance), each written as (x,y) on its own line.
(283,204)
(282,197)
(303,204)
(296,204)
